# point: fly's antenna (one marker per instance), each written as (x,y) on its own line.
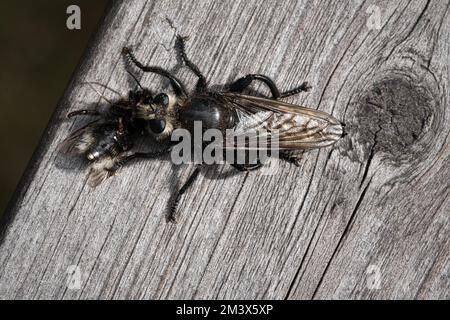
(135,79)
(98,92)
(103,86)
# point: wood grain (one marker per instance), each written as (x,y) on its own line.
(366,219)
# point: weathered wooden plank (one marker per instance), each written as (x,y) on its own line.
(374,207)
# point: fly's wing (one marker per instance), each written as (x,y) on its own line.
(283,126)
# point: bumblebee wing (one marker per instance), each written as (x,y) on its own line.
(80,140)
(104,168)
(292,127)
(99,172)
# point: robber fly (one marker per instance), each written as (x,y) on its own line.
(108,141)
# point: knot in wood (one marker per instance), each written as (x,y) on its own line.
(392,118)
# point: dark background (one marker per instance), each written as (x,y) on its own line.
(38,55)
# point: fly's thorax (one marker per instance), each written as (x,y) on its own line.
(210,111)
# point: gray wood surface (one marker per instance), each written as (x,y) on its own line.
(366,219)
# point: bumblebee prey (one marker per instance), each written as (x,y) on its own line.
(108,141)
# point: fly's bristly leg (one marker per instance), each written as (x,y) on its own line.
(304,87)
(83,112)
(177,86)
(180,45)
(242,83)
(173,208)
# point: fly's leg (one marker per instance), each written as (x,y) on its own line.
(243,162)
(177,86)
(180,45)
(247,167)
(242,83)
(141,155)
(83,113)
(304,87)
(172,214)
(294,158)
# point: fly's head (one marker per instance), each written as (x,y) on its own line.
(157,111)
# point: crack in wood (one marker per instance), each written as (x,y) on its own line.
(343,237)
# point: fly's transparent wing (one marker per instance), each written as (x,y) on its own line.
(292,127)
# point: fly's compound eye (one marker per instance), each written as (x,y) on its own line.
(157,126)
(162,99)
